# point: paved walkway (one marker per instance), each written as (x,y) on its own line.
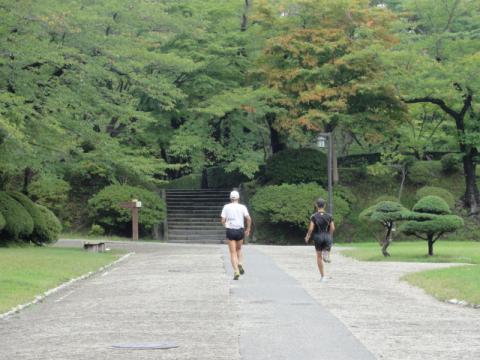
(278,310)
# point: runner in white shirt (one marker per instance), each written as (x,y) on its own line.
(233,218)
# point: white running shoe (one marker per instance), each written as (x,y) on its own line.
(323,279)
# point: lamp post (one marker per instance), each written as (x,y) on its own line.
(321,140)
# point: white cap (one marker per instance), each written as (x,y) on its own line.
(234,195)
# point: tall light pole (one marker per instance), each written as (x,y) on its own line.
(321,139)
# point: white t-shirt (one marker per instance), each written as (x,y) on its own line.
(234,214)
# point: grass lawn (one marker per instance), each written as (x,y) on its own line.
(29,271)
(462,283)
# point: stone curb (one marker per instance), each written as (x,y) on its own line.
(70,282)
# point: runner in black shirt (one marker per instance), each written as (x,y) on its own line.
(322,227)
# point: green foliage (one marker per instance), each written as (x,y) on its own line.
(3,222)
(385,198)
(96,230)
(19,223)
(451,163)
(39,222)
(218,177)
(345,193)
(293,204)
(437,191)
(432,205)
(190,181)
(105,209)
(352,175)
(53,227)
(50,191)
(294,166)
(422,172)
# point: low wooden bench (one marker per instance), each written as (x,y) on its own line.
(94,247)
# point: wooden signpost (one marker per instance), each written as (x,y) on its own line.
(134,205)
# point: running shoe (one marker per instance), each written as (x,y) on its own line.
(236,276)
(240,268)
(323,279)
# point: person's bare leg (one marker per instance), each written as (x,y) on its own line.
(239,251)
(232,247)
(320,263)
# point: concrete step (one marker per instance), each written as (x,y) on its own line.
(194,226)
(189,232)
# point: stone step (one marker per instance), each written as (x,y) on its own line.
(200,226)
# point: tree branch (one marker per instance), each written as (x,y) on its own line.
(435,101)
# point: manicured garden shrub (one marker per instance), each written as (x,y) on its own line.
(293,204)
(422,172)
(52,228)
(51,192)
(451,163)
(386,213)
(18,222)
(431,219)
(39,222)
(105,209)
(295,166)
(436,191)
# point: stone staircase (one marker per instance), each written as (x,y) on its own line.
(193,216)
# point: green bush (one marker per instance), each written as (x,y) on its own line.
(51,192)
(432,205)
(352,175)
(295,166)
(422,172)
(18,222)
(293,204)
(96,230)
(219,178)
(39,222)
(382,198)
(436,191)
(105,209)
(451,163)
(345,193)
(53,227)
(191,181)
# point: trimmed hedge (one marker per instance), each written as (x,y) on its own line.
(53,227)
(432,205)
(39,224)
(18,222)
(422,172)
(105,210)
(436,191)
(295,166)
(293,204)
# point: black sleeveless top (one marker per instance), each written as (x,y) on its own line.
(322,222)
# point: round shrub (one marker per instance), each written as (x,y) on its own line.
(51,192)
(436,191)
(18,222)
(52,228)
(105,209)
(451,163)
(39,223)
(96,230)
(295,166)
(432,205)
(422,172)
(293,204)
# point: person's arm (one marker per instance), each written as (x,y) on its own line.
(223,217)
(249,224)
(332,228)
(309,232)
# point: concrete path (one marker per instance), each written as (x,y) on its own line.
(280,320)
(278,310)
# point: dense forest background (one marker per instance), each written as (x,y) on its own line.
(154,93)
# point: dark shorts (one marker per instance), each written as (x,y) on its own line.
(322,241)
(235,234)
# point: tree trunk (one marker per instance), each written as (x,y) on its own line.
(27,178)
(472,196)
(388,240)
(430,245)
(275,142)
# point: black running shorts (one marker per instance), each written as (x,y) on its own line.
(235,234)
(322,241)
